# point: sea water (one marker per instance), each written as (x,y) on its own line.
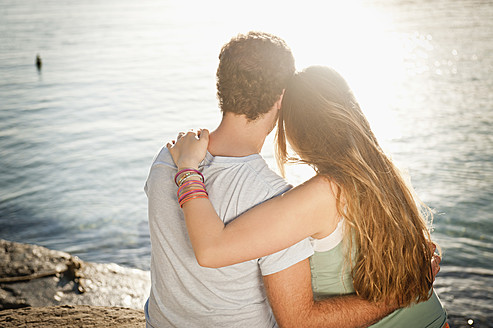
(121,78)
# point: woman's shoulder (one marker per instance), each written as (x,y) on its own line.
(318,189)
(323,193)
(322,184)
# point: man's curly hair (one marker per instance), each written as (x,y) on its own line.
(253,71)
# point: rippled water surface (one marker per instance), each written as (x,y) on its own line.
(119,78)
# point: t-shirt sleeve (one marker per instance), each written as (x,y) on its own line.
(163,157)
(285,258)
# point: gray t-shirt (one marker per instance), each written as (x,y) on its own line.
(184,294)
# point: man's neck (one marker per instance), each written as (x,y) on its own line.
(238,137)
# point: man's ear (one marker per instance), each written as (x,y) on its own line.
(279,101)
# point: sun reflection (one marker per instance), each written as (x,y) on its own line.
(361,40)
(355,40)
(362,44)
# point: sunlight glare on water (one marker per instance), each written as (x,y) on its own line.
(360,42)
(352,37)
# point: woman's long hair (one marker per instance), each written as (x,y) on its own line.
(326,127)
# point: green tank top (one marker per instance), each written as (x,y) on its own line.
(332,277)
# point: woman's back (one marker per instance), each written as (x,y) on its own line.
(332,277)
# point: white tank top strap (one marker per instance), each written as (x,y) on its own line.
(331,241)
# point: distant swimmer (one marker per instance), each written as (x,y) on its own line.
(39,63)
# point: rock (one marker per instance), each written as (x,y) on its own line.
(22,259)
(72,316)
(44,277)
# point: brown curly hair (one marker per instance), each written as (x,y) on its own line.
(253,72)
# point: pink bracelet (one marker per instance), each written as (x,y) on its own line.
(192,197)
(189,183)
(193,191)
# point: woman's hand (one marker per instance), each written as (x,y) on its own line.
(436,258)
(189,149)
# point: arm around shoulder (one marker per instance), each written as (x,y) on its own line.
(265,229)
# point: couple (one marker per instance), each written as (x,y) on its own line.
(348,248)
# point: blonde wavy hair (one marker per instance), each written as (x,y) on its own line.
(384,221)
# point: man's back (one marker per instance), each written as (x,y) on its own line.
(185,294)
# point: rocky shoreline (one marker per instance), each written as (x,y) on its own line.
(40,287)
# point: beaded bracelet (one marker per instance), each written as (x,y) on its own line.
(191,171)
(186,176)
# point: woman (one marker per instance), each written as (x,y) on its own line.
(368,232)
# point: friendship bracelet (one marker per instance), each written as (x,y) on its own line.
(183,176)
(189,178)
(188,170)
(180,193)
(186,176)
(193,191)
(189,191)
(192,197)
(190,183)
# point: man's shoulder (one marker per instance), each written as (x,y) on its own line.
(269,177)
(163,157)
(161,170)
(255,174)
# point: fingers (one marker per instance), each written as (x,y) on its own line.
(200,134)
(203,134)
(436,258)
(435,265)
(170,144)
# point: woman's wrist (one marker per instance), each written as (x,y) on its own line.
(190,182)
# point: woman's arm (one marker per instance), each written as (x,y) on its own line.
(307,210)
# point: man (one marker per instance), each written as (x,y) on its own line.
(251,77)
